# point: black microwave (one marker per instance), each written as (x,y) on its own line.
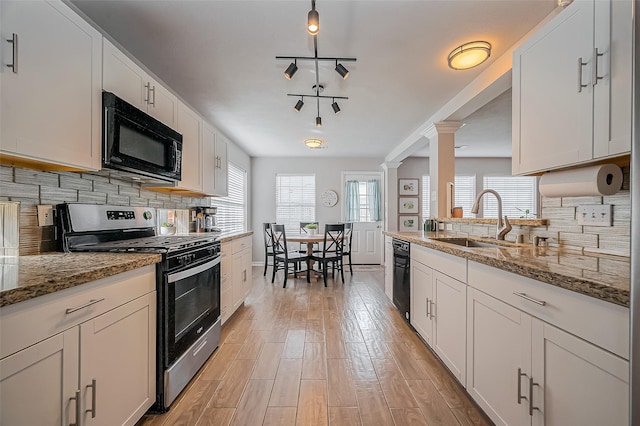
(135,142)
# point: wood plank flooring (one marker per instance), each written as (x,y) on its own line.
(308,355)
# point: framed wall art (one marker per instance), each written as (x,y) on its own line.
(409,223)
(408,205)
(408,186)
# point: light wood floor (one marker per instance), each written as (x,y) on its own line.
(310,355)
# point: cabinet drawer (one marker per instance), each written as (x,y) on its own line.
(241,244)
(26,323)
(455,267)
(602,323)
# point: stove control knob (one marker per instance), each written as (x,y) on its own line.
(147,215)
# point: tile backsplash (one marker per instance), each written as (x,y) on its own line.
(31,187)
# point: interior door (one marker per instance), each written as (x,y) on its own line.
(367,244)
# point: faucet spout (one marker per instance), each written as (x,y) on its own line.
(501,230)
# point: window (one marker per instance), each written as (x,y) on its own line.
(426,197)
(232,209)
(295,200)
(518,194)
(363,203)
(465,191)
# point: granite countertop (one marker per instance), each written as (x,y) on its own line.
(225,237)
(26,277)
(602,276)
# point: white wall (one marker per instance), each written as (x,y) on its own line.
(328,173)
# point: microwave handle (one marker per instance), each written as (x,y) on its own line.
(176,166)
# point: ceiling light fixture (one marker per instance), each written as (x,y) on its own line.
(469,55)
(291,70)
(313,19)
(313,143)
(340,69)
(313,26)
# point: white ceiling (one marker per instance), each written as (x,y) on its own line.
(219,56)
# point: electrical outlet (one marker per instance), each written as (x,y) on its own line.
(449,226)
(595,215)
(45,215)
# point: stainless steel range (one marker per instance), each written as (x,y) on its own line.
(188,283)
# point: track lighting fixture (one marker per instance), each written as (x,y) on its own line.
(340,69)
(336,107)
(291,70)
(313,27)
(313,19)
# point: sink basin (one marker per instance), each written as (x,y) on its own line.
(464,242)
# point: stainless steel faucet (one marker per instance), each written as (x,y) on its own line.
(501,230)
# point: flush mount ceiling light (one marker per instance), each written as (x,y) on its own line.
(469,55)
(313,27)
(313,143)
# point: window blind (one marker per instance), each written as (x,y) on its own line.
(232,209)
(295,200)
(426,197)
(465,193)
(518,194)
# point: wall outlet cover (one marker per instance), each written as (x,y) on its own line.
(45,215)
(595,215)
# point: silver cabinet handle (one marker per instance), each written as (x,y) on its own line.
(580,65)
(431,303)
(86,305)
(530,299)
(94,391)
(78,413)
(148,95)
(596,55)
(520,396)
(14,61)
(152,103)
(531,407)
(427,306)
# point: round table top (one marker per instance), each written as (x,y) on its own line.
(305,238)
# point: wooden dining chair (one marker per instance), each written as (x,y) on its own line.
(284,259)
(332,251)
(268,245)
(348,234)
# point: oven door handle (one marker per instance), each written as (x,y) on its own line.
(193,271)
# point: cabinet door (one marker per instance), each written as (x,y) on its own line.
(221,169)
(246,267)
(577,383)
(37,383)
(612,87)
(189,125)
(552,116)
(163,105)
(498,343)
(237,279)
(388,267)
(118,352)
(209,159)
(421,295)
(450,325)
(123,77)
(50,106)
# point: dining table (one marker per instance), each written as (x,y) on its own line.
(310,240)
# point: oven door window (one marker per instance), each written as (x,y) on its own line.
(193,305)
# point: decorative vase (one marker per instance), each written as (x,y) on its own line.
(312,231)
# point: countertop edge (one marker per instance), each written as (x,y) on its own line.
(576,284)
(225,238)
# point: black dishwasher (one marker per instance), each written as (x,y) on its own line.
(401,278)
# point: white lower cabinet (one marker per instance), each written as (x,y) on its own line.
(235,274)
(388,270)
(438,308)
(523,371)
(100,364)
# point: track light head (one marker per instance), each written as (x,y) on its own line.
(336,107)
(318,121)
(291,70)
(313,22)
(299,105)
(340,69)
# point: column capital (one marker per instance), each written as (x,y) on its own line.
(430,131)
(448,126)
(390,165)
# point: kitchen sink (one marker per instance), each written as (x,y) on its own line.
(465,242)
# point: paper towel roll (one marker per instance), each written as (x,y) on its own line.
(605,179)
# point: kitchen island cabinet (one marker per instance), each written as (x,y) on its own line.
(86,351)
(571,94)
(52,76)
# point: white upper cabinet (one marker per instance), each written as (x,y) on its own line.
(130,82)
(50,86)
(214,162)
(190,126)
(572,88)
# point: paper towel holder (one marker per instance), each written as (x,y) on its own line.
(603,179)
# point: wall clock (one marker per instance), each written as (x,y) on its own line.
(329,198)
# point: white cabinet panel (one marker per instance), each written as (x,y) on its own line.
(421,293)
(189,125)
(56,85)
(450,325)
